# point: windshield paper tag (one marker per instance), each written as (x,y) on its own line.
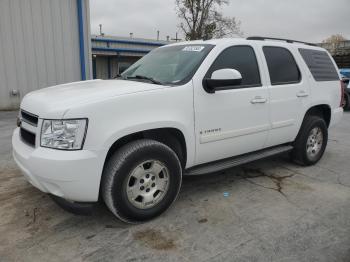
(193,48)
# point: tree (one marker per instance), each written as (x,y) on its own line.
(335,39)
(334,44)
(202,20)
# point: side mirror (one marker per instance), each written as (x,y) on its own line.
(222,79)
(346,81)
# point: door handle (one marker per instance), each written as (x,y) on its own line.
(258,100)
(302,94)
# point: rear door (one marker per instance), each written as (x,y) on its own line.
(289,93)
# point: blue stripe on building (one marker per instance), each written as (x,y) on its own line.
(81,39)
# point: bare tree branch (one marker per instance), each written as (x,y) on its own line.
(200,19)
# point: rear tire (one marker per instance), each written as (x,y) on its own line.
(311,142)
(141,180)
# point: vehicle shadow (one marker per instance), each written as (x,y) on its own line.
(206,184)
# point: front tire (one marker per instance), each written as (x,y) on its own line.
(311,141)
(141,180)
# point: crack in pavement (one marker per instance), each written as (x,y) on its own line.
(251,173)
(339,182)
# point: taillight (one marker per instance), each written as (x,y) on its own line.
(342,87)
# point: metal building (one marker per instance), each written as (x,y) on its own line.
(42,43)
(112,55)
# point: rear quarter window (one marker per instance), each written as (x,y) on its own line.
(319,64)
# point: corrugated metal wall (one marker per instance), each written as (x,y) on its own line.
(101,67)
(39,46)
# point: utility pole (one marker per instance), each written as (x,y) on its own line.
(158,35)
(176,38)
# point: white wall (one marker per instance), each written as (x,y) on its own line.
(39,46)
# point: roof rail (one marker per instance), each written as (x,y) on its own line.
(261,38)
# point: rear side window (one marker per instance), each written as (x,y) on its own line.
(241,58)
(282,66)
(320,64)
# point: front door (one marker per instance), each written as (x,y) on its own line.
(236,120)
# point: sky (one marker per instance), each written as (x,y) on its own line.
(304,20)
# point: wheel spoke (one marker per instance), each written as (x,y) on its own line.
(319,138)
(162,184)
(138,172)
(309,150)
(156,168)
(133,191)
(309,142)
(314,132)
(147,198)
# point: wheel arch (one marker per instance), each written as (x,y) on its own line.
(170,136)
(322,110)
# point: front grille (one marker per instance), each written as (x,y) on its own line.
(29,118)
(28,137)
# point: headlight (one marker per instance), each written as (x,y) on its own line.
(63,134)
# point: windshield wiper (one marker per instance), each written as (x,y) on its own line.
(145,78)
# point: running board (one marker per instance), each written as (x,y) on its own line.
(236,161)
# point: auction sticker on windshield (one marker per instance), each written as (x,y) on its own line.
(193,48)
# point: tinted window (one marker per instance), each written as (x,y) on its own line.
(320,64)
(282,66)
(241,58)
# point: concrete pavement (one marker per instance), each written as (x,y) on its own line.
(270,210)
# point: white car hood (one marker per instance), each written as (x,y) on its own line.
(55,101)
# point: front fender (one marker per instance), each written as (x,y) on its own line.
(155,125)
(118,117)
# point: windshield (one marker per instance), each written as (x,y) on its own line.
(173,65)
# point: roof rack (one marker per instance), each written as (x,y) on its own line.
(261,38)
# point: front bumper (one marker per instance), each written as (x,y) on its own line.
(72,175)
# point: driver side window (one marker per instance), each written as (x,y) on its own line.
(241,58)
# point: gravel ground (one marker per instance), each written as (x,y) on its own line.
(270,210)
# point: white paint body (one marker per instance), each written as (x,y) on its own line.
(245,120)
(223,74)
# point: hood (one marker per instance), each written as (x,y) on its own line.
(56,100)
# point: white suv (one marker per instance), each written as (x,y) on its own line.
(184,109)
